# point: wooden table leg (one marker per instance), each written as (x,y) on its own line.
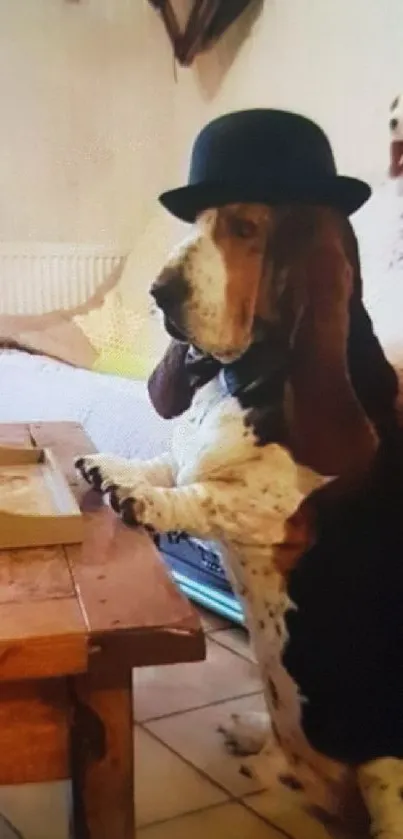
(102,757)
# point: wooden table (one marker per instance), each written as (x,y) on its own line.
(74,621)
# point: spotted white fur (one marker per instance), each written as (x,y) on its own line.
(381,784)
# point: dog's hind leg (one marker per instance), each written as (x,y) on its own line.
(381,785)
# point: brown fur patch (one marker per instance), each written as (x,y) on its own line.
(299,538)
(241,233)
(396,159)
(328,428)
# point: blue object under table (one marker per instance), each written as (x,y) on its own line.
(197,568)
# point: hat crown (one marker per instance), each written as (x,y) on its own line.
(263,156)
(260,143)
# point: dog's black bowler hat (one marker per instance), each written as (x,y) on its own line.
(263,156)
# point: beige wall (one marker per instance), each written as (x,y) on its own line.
(86,118)
(94,124)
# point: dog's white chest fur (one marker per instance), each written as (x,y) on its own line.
(210,440)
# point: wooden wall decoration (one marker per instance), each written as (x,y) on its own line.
(207,21)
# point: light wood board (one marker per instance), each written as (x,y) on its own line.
(37,507)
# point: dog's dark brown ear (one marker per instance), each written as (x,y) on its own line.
(169,386)
(329,428)
(181,371)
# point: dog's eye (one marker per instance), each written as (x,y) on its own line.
(242,228)
(394,103)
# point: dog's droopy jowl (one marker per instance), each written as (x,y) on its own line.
(282,418)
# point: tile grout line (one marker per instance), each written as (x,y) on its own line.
(201,772)
(190,813)
(197,707)
(241,799)
(230,649)
(271,824)
(230,797)
(216,806)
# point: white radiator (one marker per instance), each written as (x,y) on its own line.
(38,278)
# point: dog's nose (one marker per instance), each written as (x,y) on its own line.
(393,124)
(170,289)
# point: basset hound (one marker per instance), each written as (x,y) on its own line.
(289,453)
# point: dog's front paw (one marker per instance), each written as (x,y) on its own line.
(90,468)
(134,505)
(246,734)
(102,470)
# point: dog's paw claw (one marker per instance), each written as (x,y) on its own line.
(79,465)
(127,512)
(94,477)
(91,474)
(112,491)
(155,536)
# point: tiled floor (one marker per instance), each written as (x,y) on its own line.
(186,782)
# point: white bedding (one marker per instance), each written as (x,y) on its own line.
(115,412)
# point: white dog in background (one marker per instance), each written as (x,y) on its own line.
(396,141)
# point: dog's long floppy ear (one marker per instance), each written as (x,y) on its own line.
(180,372)
(329,428)
(169,387)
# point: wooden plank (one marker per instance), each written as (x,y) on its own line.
(32,575)
(15,434)
(20,456)
(37,505)
(102,758)
(126,585)
(67,440)
(34,732)
(127,595)
(36,641)
(42,630)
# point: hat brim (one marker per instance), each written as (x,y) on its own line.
(339,191)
